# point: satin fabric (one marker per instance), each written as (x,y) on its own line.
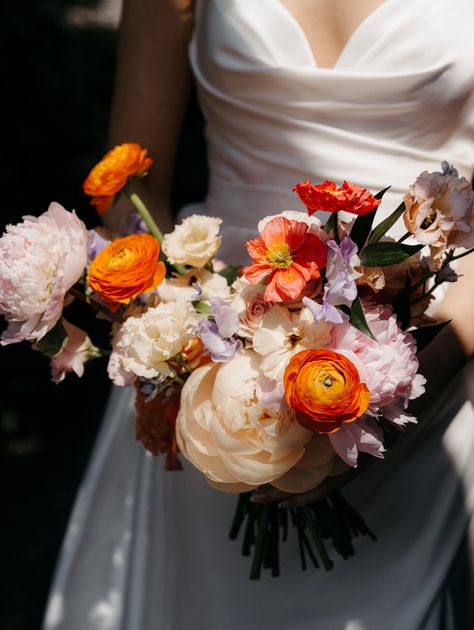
(147,549)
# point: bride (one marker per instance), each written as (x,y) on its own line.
(369,91)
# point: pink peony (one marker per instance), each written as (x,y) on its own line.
(440,213)
(78,350)
(387,366)
(40,260)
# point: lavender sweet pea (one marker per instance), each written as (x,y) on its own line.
(216,335)
(340,286)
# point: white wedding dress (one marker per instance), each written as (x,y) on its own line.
(147,549)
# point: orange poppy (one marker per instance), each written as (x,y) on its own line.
(286,256)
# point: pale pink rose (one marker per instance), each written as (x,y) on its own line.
(234,440)
(40,260)
(248,301)
(440,213)
(78,350)
(388,366)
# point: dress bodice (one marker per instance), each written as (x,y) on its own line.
(399,100)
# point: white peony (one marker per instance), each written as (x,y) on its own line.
(40,260)
(194,241)
(237,442)
(143,344)
(282,334)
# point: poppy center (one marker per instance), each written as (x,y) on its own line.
(279,256)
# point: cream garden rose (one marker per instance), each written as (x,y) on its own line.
(143,344)
(238,443)
(194,241)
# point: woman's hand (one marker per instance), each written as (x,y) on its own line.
(269,494)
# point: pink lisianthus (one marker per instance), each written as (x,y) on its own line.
(440,213)
(40,260)
(388,366)
(78,350)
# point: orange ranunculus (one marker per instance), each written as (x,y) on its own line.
(127,267)
(287,256)
(327,196)
(324,388)
(110,175)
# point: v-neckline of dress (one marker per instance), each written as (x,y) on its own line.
(353,37)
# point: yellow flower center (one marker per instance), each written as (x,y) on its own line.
(334,192)
(328,384)
(279,256)
(429,220)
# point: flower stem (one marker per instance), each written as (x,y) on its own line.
(404,237)
(95,304)
(469,251)
(145,214)
(260,541)
(335,227)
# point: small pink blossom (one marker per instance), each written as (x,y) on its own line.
(40,260)
(78,350)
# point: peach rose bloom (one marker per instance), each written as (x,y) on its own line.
(440,213)
(127,267)
(237,443)
(324,388)
(110,175)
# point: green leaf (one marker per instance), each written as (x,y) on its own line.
(361,228)
(363,224)
(201,307)
(53,342)
(230,273)
(382,228)
(357,317)
(425,335)
(385,253)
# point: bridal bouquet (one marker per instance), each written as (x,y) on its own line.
(284,372)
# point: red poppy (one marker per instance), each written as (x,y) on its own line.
(328,197)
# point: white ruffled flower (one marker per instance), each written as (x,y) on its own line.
(40,260)
(283,334)
(194,242)
(143,344)
(196,284)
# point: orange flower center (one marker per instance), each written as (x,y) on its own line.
(279,255)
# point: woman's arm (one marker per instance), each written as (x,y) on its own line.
(151,90)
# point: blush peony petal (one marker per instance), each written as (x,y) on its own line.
(41,258)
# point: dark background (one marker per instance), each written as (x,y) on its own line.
(57,83)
